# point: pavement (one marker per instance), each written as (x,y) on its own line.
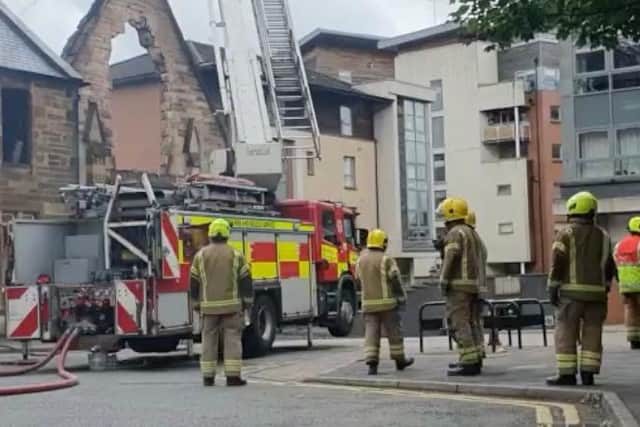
(166,391)
(512,374)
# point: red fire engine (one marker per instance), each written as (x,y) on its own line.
(119,267)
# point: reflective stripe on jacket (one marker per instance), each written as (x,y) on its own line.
(580,254)
(462,258)
(627,257)
(218,268)
(376,271)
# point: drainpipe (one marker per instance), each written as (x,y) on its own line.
(516,112)
(375,162)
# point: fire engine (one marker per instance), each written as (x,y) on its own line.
(119,267)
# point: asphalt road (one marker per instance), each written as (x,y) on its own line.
(168,392)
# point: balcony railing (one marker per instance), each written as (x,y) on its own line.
(505,132)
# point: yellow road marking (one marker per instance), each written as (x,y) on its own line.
(544,418)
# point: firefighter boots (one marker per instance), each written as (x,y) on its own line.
(208,382)
(465,370)
(562,380)
(404,363)
(373,368)
(235,382)
(635,345)
(587,378)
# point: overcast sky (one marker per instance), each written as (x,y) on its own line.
(55,20)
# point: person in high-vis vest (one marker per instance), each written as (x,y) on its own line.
(627,258)
(221,287)
(582,268)
(459,284)
(477,328)
(382,295)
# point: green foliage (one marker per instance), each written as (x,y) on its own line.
(591,22)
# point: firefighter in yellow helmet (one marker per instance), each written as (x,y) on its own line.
(627,260)
(382,294)
(459,282)
(582,268)
(220,287)
(477,328)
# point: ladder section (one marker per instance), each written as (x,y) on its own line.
(293,107)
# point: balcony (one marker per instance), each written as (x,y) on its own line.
(494,134)
(502,95)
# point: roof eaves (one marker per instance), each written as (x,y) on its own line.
(423,35)
(318,33)
(31,37)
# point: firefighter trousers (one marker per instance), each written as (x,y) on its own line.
(477,327)
(229,328)
(373,324)
(460,311)
(632,316)
(579,321)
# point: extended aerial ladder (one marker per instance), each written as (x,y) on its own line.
(265,93)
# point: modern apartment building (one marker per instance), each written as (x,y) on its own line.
(600,92)
(494,134)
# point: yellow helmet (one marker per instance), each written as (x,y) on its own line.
(471,219)
(634,224)
(220,228)
(582,203)
(454,209)
(377,239)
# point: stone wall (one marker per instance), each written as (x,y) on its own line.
(182,99)
(33,189)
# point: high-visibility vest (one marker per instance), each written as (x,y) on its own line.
(580,253)
(627,257)
(218,267)
(375,270)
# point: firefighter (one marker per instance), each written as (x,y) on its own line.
(582,268)
(477,307)
(628,263)
(459,284)
(220,287)
(382,295)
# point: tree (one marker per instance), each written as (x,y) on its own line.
(592,22)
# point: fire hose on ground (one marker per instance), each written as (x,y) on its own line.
(66,378)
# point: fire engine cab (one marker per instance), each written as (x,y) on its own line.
(119,268)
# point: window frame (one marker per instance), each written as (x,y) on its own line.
(552,109)
(346,128)
(311,164)
(581,162)
(351,161)
(324,214)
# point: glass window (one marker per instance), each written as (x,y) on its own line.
(556,152)
(554,113)
(438,132)
(439,196)
(504,190)
(346,121)
(329,231)
(593,145)
(594,155)
(629,150)
(349,172)
(593,111)
(589,62)
(627,56)
(439,168)
(626,108)
(505,228)
(438,104)
(349,229)
(591,84)
(626,80)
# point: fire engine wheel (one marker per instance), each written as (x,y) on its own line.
(154,345)
(345,317)
(258,338)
